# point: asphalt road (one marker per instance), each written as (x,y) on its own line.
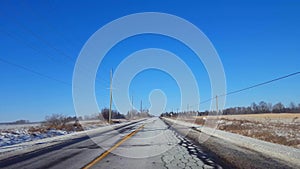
(147,144)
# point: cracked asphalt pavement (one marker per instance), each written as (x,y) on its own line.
(155,145)
(158,146)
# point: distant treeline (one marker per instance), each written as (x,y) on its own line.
(104,114)
(61,119)
(114,114)
(254,108)
(263,107)
(20,122)
(133,114)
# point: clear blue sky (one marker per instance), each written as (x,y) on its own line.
(256,41)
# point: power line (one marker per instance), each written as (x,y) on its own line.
(40,38)
(261,84)
(33,12)
(34,72)
(44,41)
(61,35)
(48,44)
(35,48)
(251,87)
(20,40)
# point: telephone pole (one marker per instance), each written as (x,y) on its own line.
(187,107)
(217,107)
(131,107)
(141,106)
(110,103)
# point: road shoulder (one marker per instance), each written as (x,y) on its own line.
(232,151)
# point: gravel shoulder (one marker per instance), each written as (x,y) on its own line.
(239,151)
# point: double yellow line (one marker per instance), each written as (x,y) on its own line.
(99,158)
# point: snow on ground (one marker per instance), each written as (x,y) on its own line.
(20,135)
(22,141)
(280,128)
(11,134)
(4,126)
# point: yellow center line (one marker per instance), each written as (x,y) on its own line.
(99,158)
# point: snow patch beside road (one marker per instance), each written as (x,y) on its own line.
(56,138)
(16,136)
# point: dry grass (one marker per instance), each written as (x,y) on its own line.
(281,128)
(274,116)
(66,127)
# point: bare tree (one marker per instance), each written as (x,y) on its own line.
(278,108)
(263,107)
(254,107)
(293,107)
(56,120)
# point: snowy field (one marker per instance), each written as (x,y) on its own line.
(281,128)
(13,134)
(18,126)
(26,142)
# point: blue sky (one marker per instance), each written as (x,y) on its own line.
(256,41)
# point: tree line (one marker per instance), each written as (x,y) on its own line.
(104,115)
(134,114)
(254,108)
(263,107)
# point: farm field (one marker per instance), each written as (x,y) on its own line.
(283,128)
(11,134)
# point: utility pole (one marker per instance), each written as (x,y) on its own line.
(187,107)
(131,107)
(110,103)
(141,106)
(217,107)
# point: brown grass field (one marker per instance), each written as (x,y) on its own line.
(272,116)
(283,128)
